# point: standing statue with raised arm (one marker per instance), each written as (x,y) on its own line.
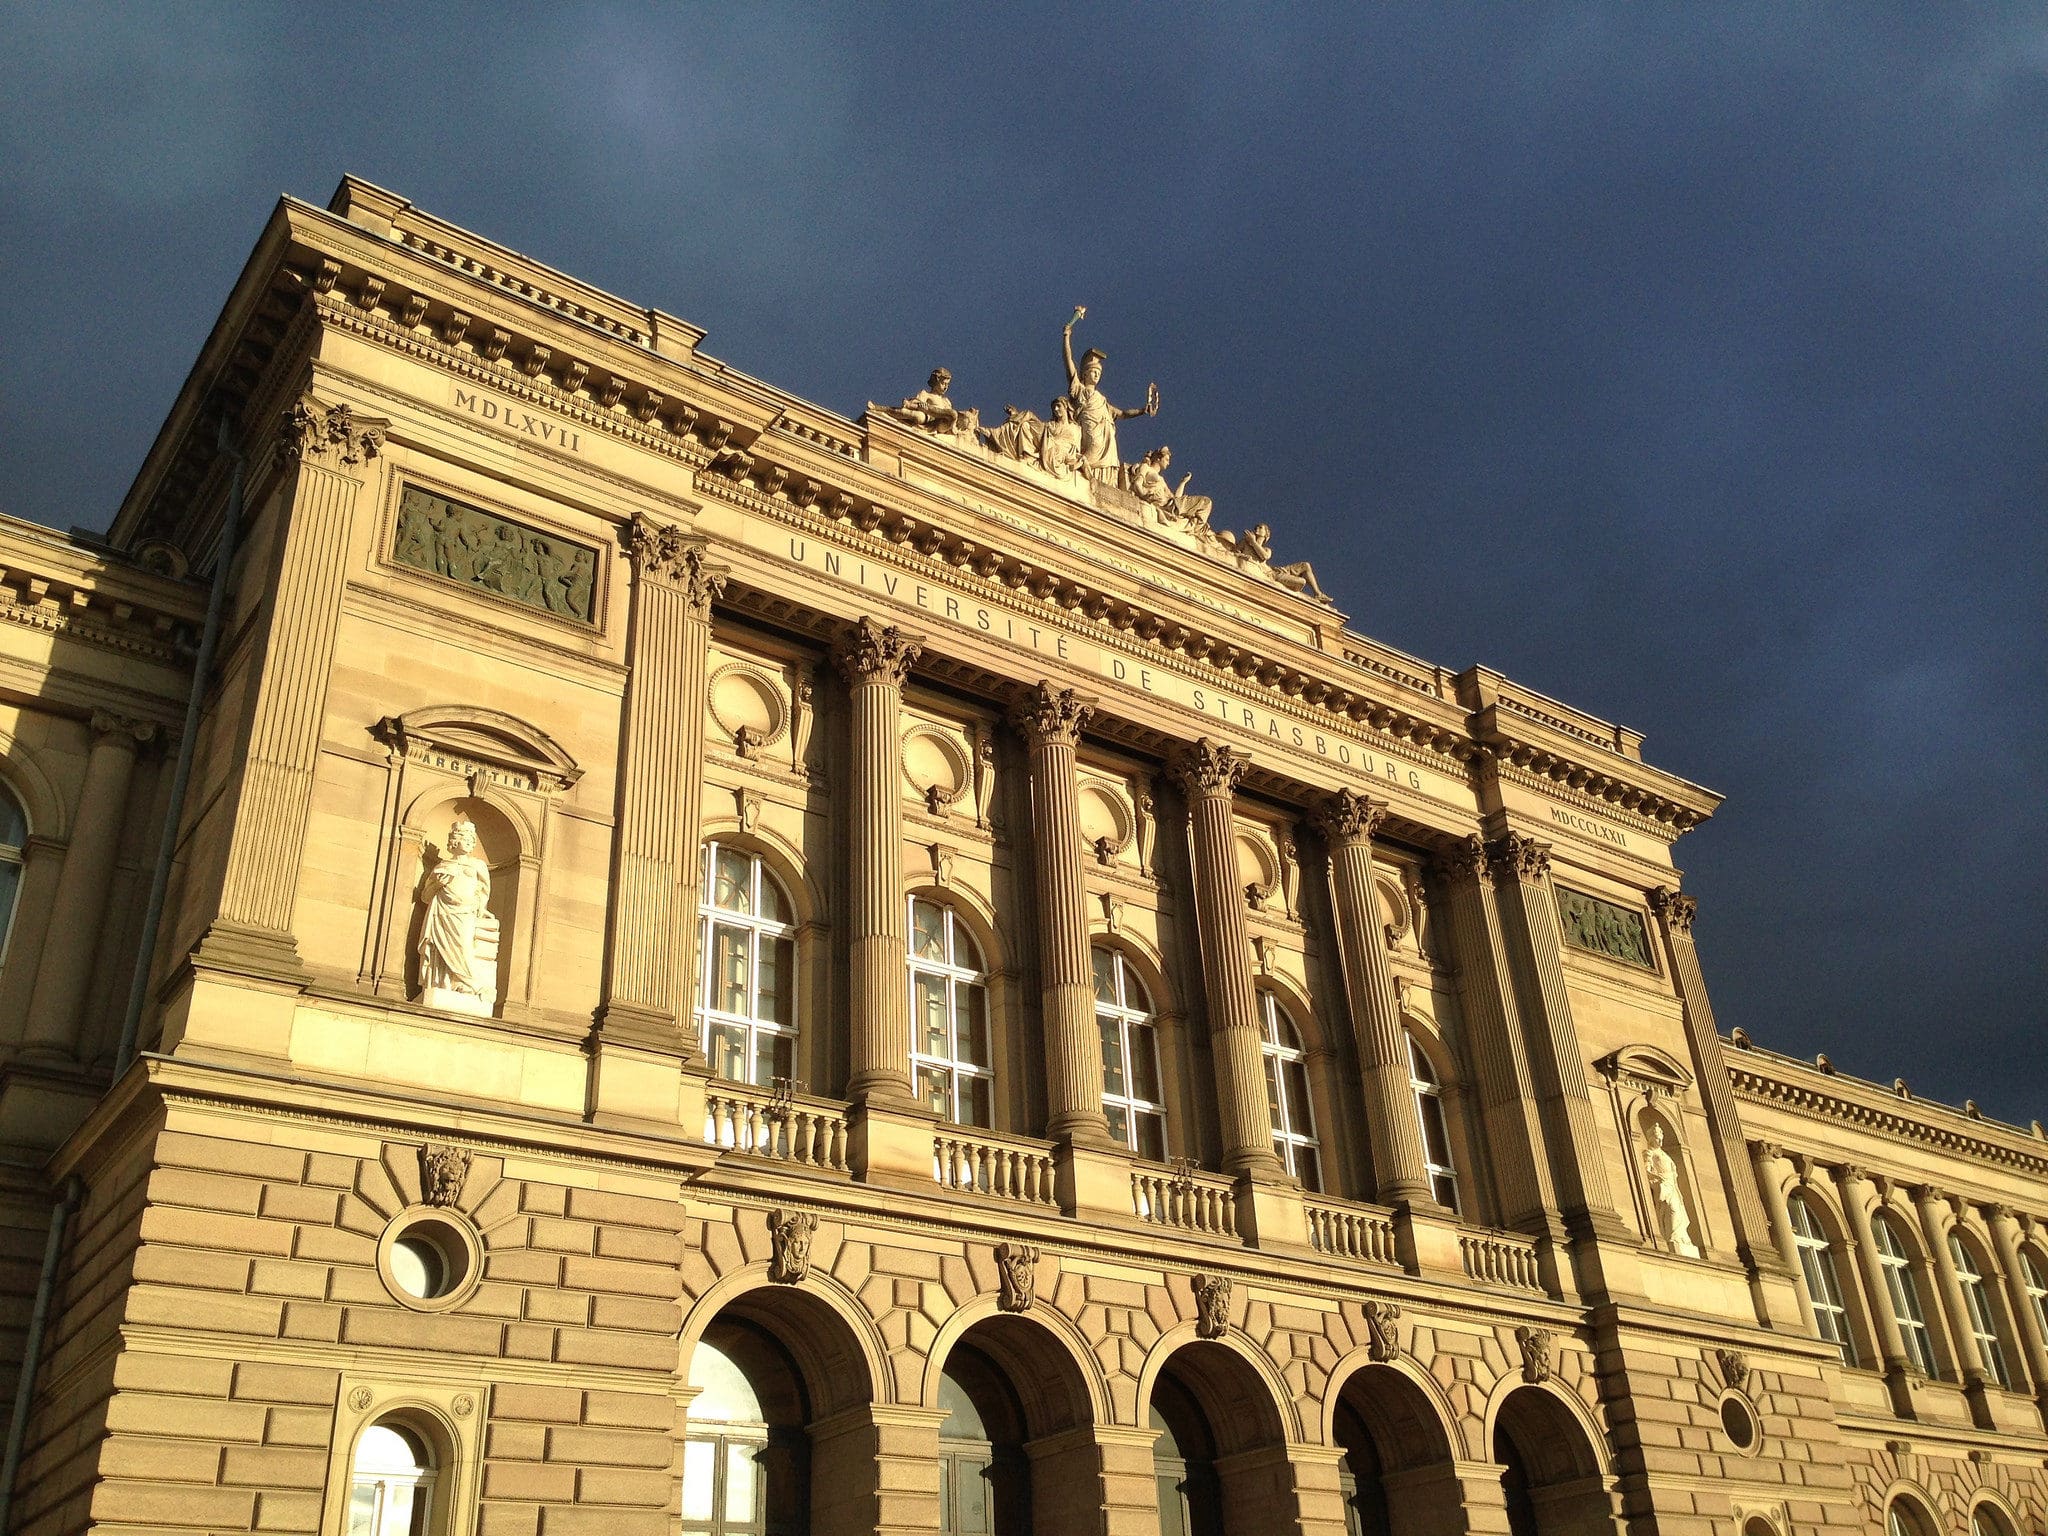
(1097,417)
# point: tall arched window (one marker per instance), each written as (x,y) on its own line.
(1823,1281)
(949,1046)
(746,965)
(1294,1124)
(391,1485)
(1436,1133)
(746,1467)
(1983,1327)
(2034,1281)
(13,835)
(1897,1261)
(1904,1517)
(1989,1520)
(1132,1097)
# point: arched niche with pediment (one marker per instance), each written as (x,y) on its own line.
(1650,1090)
(505,776)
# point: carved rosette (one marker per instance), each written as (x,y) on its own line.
(1208,768)
(330,434)
(1017,1276)
(1676,908)
(1212,1305)
(1534,1344)
(1464,860)
(1518,856)
(444,1170)
(1347,818)
(1382,1342)
(789,1235)
(1052,715)
(877,653)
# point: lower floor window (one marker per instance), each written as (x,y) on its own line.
(391,1486)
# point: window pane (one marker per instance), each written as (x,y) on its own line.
(777,967)
(362,1509)
(739,1481)
(1446,1189)
(774,1056)
(971,999)
(1112,1057)
(935,1089)
(966,953)
(927,931)
(973,1490)
(774,906)
(733,882)
(10,877)
(928,1008)
(1144,1064)
(729,969)
(975,1093)
(1119,1122)
(1105,975)
(1308,1168)
(1299,1120)
(1273,1110)
(13,829)
(1151,1137)
(1436,1143)
(396,1517)
(699,1457)
(728,1052)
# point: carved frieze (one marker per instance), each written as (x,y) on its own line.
(484,551)
(1604,928)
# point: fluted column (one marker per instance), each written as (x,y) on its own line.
(2005,1232)
(1769,1164)
(271,790)
(875,659)
(1521,872)
(1208,774)
(79,910)
(1955,1311)
(1853,1189)
(656,859)
(1493,1025)
(1347,822)
(1051,720)
(1675,911)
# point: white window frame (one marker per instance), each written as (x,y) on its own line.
(1977,1303)
(1823,1277)
(1276,1030)
(2034,1281)
(957,1070)
(14,855)
(420,1481)
(1121,1014)
(711,916)
(1428,1093)
(1903,1293)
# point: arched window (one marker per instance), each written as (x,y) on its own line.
(1904,1517)
(2034,1281)
(949,1046)
(1436,1135)
(1897,1262)
(1983,1327)
(745,1464)
(391,1484)
(746,964)
(1132,1097)
(1294,1125)
(13,834)
(1989,1520)
(1823,1281)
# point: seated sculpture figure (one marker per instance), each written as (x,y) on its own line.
(1255,545)
(1172,505)
(931,409)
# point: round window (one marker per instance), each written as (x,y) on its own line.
(1739,1423)
(429,1259)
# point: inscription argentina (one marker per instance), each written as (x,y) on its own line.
(1603,928)
(475,548)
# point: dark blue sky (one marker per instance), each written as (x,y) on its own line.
(1687,363)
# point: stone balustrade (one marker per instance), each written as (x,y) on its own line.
(1179,1197)
(1347,1231)
(1502,1258)
(765,1124)
(983,1163)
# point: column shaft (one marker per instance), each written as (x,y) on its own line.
(1208,773)
(1675,914)
(1929,1202)
(1768,1164)
(2005,1232)
(1851,1186)
(875,660)
(651,960)
(1051,720)
(1347,822)
(79,911)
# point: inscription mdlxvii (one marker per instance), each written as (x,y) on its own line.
(475,548)
(1619,933)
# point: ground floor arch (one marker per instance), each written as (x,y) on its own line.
(1399,1471)
(1553,1477)
(1220,1460)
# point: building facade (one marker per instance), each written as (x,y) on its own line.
(712,967)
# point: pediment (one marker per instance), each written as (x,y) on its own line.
(468,741)
(1646,1067)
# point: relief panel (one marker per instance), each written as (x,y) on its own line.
(483,551)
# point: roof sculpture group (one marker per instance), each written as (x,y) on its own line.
(1075,448)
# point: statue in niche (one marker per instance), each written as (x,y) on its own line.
(1097,417)
(932,409)
(459,932)
(1667,1200)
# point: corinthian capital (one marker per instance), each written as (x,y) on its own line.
(877,653)
(1208,768)
(1049,714)
(1518,857)
(1675,907)
(1462,861)
(1347,818)
(330,434)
